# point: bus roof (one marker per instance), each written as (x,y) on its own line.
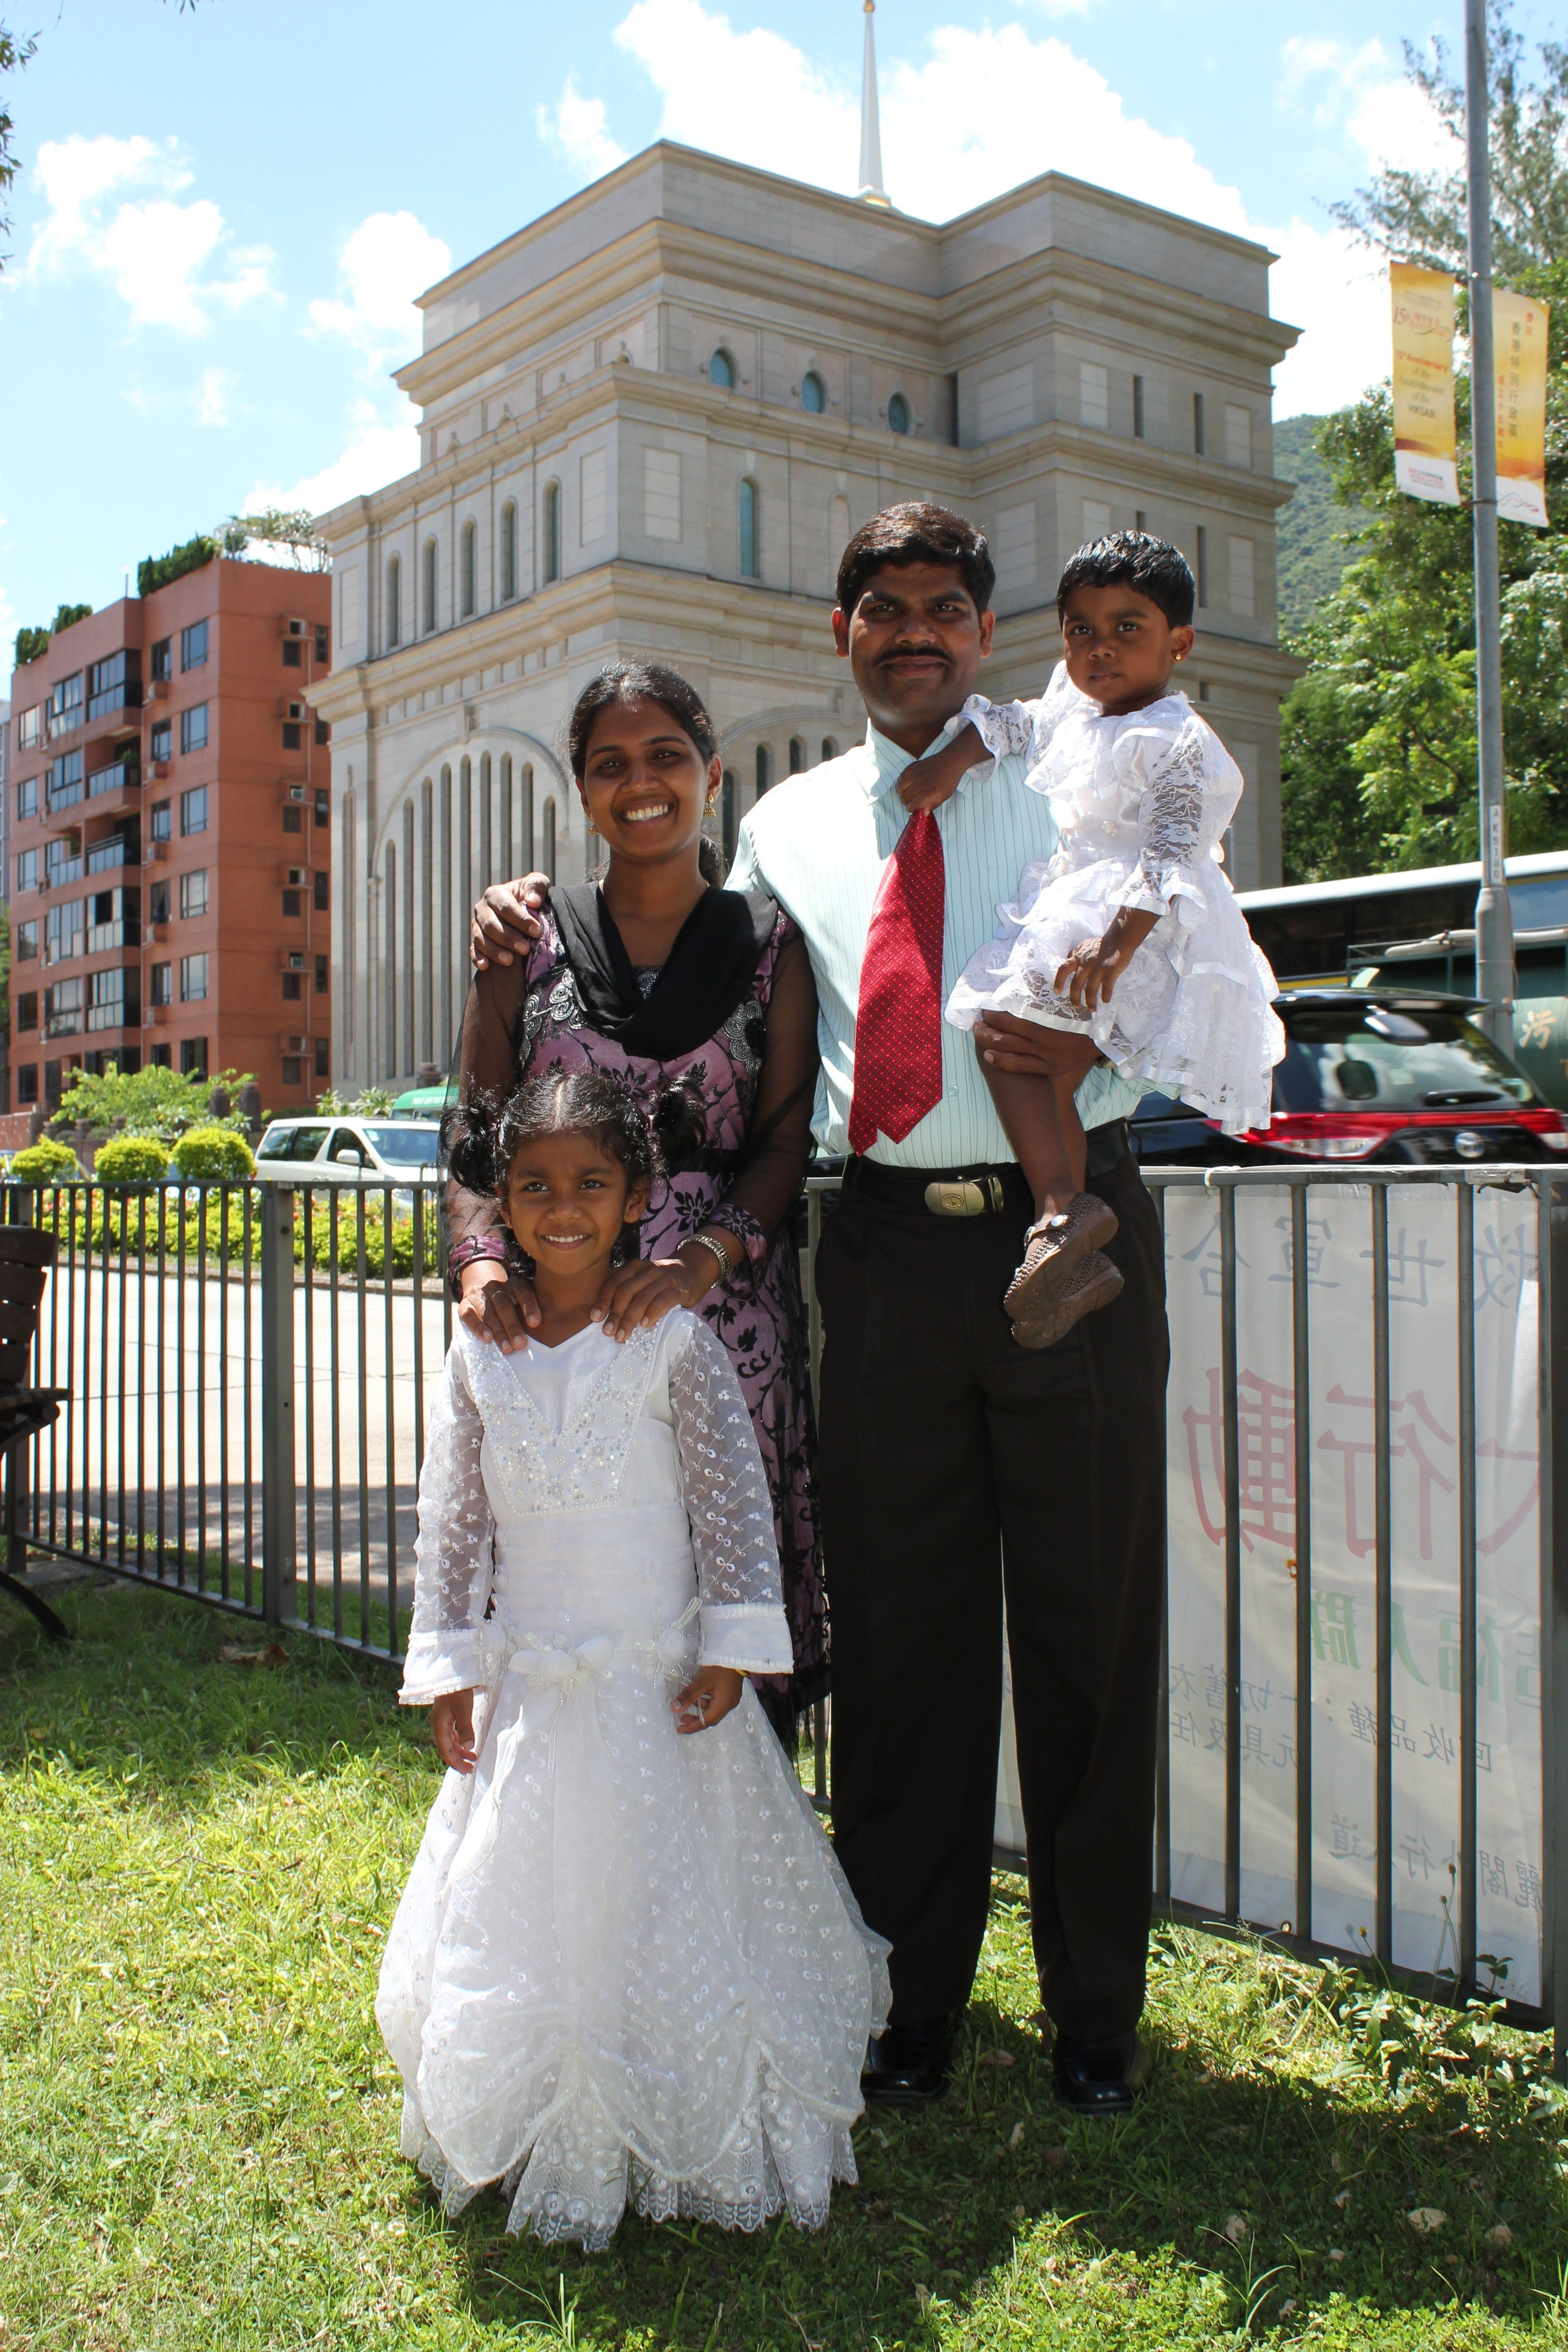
(1418,877)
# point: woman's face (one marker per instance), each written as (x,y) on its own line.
(645,785)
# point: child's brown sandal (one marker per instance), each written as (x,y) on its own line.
(1094,1284)
(1055,1248)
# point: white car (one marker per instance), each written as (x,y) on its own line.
(371,1152)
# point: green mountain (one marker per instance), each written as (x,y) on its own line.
(1316,535)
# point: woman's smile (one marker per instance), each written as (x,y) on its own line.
(644,813)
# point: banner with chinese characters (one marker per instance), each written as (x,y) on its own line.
(1519,334)
(1424,1718)
(1422,302)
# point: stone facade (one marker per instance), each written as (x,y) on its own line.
(651,419)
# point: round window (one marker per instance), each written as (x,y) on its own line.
(813,395)
(898,414)
(721,370)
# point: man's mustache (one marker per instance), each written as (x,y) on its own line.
(923,653)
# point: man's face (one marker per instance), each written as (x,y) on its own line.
(915,642)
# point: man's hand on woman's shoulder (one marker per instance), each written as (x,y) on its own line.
(506,921)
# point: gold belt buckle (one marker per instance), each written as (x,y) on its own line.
(965,1200)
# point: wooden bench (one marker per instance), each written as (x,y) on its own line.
(26,1256)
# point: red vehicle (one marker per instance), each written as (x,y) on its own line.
(1377,1075)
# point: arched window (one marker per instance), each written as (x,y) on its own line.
(750,551)
(764,769)
(796,755)
(507,867)
(721,370)
(727,821)
(813,394)
(508,553)
(549,860)
(427,619)
(406,1061)
(392,634)
(486,836)
(470,570)
(829,747)
(898,414)
(552,530)
(389,927)
(525,826)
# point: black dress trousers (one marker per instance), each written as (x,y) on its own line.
(952,1460)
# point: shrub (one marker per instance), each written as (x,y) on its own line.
(213,1155)
(132,1160)
(157,571)
(44,1162)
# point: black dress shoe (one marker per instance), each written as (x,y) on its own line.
(908,2064)
(1101,2078)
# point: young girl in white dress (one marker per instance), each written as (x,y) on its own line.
(1130,935)
(627,1964)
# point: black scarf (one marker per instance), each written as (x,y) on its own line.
(708,972)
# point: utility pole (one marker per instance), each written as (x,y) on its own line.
(1494,919)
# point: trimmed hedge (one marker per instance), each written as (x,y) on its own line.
(214,1155)
(44,1162)
(130,1160)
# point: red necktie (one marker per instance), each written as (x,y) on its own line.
(897,1025)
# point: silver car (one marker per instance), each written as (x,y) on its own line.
(371,1152)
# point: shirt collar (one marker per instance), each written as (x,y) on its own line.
(885,763)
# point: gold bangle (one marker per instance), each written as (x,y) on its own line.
(715,1249)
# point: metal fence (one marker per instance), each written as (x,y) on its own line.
(245,1367)
(244,1421)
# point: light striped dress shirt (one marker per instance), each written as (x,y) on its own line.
(818,844)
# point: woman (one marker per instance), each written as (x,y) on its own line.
(703,999)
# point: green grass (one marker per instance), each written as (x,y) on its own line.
(198,2126)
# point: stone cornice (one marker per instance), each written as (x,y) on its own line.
(666,259)
(661,402)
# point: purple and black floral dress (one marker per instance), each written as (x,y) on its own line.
(741,1139)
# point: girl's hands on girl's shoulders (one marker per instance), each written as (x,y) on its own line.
(452,1729)
(712,1693)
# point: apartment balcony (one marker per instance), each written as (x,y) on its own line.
(114,787)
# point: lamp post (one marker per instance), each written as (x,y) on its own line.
(1494,919)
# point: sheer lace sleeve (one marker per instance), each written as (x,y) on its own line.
(731,1514)
(778,1142)
(1020,730)
(447,1650)
(1188,800)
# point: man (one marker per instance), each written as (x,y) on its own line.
(953,1463)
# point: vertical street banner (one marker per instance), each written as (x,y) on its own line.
(1519,336)
(1422,302)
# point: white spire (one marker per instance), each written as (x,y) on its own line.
(870,191)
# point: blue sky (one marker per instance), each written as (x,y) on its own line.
(223,214)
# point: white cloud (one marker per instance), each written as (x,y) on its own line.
(575,126)
(213,387)
(751,95)
(384,263)
(986,109)
(152,251)
(377,453)
(1360,92)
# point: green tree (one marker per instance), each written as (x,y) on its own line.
(1378,743)
(153,1101)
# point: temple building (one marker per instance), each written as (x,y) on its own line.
(649,421)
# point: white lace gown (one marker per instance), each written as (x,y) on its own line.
(1142,804)
(626,1962)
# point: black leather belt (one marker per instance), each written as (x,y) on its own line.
(973,1192)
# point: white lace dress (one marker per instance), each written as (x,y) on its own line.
(1142,804)
(627,1961)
